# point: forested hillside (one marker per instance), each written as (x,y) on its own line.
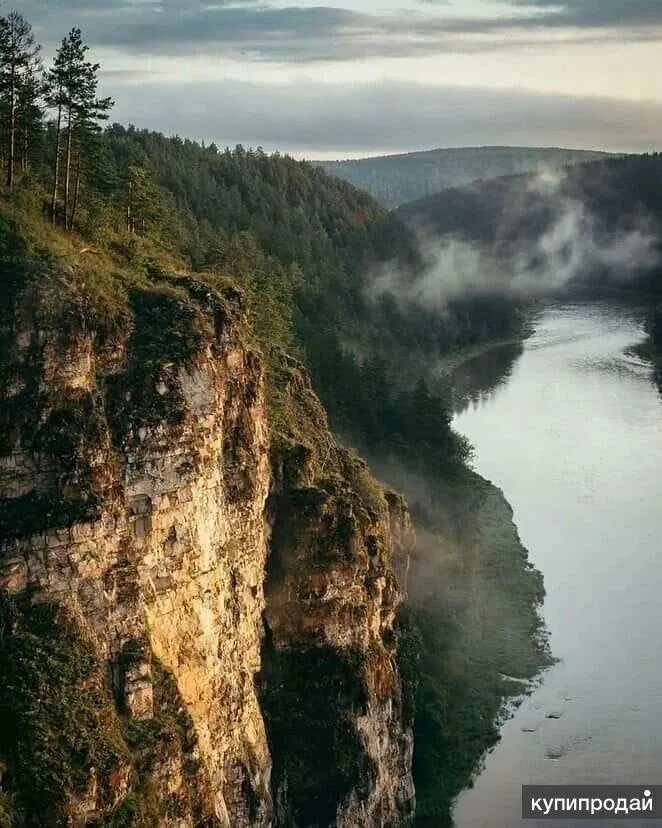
(603,202)
(397,179)
(307,246)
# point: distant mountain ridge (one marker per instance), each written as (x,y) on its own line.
(397,179)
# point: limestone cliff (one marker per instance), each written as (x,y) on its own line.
(197,584)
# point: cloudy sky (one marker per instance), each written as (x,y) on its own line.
(356,77)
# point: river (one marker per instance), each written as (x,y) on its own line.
(571,429)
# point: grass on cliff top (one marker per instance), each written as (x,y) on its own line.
(62,274)
(64,270)
(63,282)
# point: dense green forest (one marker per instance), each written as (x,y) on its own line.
(305,244)
(393,180)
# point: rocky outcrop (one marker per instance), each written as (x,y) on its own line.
(204,584)
(342,752)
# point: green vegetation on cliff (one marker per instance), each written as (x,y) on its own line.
(59,718)
(56,714)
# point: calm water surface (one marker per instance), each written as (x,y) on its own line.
(571,431)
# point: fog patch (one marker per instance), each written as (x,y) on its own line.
(571,249)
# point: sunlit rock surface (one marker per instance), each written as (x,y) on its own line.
(140,499)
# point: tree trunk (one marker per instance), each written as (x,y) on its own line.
(58,138)
(128,210)
(12,128)
(67,168)
(25,160)
(76,190)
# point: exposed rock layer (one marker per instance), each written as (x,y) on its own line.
(137,497)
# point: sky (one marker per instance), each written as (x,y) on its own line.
(351,78)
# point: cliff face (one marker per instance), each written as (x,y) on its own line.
(209,621)
(332,692)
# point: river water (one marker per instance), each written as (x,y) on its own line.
(571,429)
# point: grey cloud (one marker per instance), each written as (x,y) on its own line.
(597,13)
(257,31)
(384,117)
(316,33)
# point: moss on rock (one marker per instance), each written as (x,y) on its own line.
(57,716)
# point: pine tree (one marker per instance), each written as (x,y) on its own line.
(143,200)
(91,111)
(30,110)
(56,98)
(77,80)
(19,56)
(72,88)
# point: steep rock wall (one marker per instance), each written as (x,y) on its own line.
(332,692)
(135,502)
(167,559)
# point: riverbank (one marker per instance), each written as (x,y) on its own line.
(651,352)
(448,364)
(471,637)
(476,604)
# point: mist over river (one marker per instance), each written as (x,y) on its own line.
(570,428)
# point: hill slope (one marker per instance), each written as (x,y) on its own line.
(593,223)
(396,179)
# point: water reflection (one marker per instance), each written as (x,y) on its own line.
(477,379)
(572,432)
